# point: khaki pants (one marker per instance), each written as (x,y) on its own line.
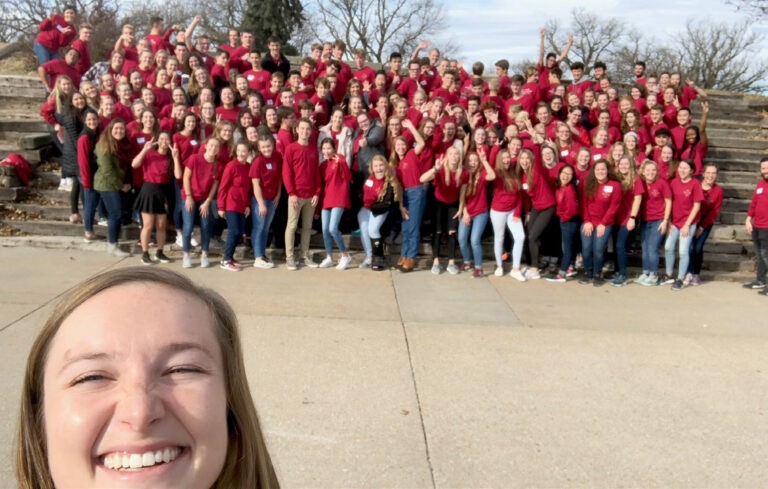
(307,212)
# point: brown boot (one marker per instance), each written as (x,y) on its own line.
(408,264)
(400,261)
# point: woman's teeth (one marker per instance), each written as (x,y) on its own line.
(124,460)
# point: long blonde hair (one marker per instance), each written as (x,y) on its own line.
(247,463)
(389,179)
(446,171)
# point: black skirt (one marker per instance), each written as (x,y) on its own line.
(151,199)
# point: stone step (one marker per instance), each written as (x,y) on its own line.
(738,143)
(738,190)
(32,155)
(736,177)
(736,205)
(724,165)
(754,133)
(63,228)
(21,103)
(47,212)
(730,232)
(728,248)
(13,194)
(729,263)
(726,123)
(20,81)
(34,93)
(737,154)
(732,217)
(23,125)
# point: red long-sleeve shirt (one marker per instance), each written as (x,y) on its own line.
(711,205)
(567,203)
(235,188)
(336,177)
(51,36)
(758,208)
(301,172)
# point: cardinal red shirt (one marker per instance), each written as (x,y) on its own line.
(156,167)
(235,188)
(654,201)
(758,208)
(269,171)
(301,172)
(601,208)
(336,177)
(477,203)
(684,195)
(204,175)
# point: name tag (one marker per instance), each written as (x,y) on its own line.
(193,142)
(760,191)
(250,77)
(59,28)
(141,140)
(596,157)
(608,190)
(525,186)
(269,166)
(564,153)
(269,102)
(369,183)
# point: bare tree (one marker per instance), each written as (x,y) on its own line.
(723,56)
(755,8)
(378,26)
(595,39)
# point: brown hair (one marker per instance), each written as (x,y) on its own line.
(247,463)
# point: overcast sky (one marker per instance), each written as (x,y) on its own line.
(493,29)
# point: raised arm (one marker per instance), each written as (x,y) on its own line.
(420,144)
(567,48)
(703,123)
(189,31)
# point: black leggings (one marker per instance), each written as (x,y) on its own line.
(74,196)
(444,222)
(537,223)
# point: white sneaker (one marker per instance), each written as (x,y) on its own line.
(366,263)
(102,222)
(517,275)
(193,241)
(531,274)
(436,269)
(204,261)
(186,262)
(179,241)
(327,262)
(344,262)
(260,262)
(310,263)
(499,272)
(115,250)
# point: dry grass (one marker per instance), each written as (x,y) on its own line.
(20,63)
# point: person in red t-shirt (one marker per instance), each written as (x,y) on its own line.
(601,200)
(152,201)
(687,196)
(656,210)
(627,215)
(336,176)
(757,225)
(266,177)
(473,206)
(200,184)
(234,201)
(710,211)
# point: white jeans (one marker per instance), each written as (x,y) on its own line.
(370,228)
(498,221)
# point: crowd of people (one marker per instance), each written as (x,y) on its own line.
(171,133)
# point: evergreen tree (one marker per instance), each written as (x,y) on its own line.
(267,18)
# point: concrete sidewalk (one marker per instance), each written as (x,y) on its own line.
(392,380)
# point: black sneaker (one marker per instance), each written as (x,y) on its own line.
(585,280)
(160,256)
(598,281)
(667,279)
(678,285)
(145,259)
(755,284)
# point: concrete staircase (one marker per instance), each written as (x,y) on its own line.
(737,131)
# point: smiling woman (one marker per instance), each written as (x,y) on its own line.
(137,380)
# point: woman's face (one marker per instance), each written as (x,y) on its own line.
(163,141)
(201,76)
(556,104)
(690,135)
(666,154)
(480,136)
(524,160)
(630,142)
(252,134)
(565,176)
(246,120)
(601,172)
(684,171)
(227,97)
(401,148)
(90,91)
(548,157)
(378,168)
(194,63)
(225,132)
(328,151)
(631,119)
(563,133)
(506,161)
(266,148)
(449,131)
(190,123)
(208,111)
(624,165)
(710,175)
(635,93)
(617,152)
(206,95)
(337,119)
(78,101)
(601,138)
(649,172)
(136,396)
(65,86)
(429,129)
(242,153)
(473,161)
(92,121)
(271,117)
(178,96)
(241,83)
(515,145)
(147,120)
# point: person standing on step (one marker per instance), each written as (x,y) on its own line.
(86,161)
(686,203)
(757,225)
(710,210)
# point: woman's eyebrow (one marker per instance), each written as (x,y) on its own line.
(176,347)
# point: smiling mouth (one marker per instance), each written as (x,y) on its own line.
(135,461)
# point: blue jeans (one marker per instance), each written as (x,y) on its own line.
(414,200)
(568,231)
(235,229)
(622,237)
(683,249)
(473,234)
(43,55)
(91,201)
(260,226)
(370,228)
(113,201)
(650,237)
(330,219)
(593,251)
(178,222)
(697,251)
(206,226)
